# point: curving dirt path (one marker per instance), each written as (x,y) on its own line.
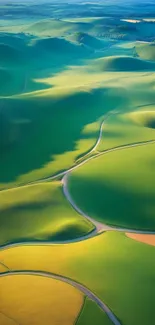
(78,163)
(73,283)
(106,117)
(99,227)
(126,146)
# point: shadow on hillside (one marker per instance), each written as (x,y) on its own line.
(26,58)
(113,204)
(54,128)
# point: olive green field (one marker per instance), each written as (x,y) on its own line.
(77,162)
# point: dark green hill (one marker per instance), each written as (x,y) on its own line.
(56,45)
(88,40)
(9,55)
(122,63)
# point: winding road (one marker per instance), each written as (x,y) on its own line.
(99,227)
(76,285)
(106,117)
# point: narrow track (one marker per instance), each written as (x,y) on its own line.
(73,283)
(99,228)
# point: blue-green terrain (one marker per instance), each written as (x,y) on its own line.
(77,162)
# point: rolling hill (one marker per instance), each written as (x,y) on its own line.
(146,51)
(122,63)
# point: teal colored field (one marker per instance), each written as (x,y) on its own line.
(60,78)
(39,213)
(77,143)
(123,63)
(117,188)
(146,51)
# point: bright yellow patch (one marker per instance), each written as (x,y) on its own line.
(2,269)
(36,300)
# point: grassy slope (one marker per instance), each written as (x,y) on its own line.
(48,139)
(106,27)
(32,300)
(127,128)
(123,63)
(32,57)
(52,27)
(118,269)
(146,51)
(144,118)
(84,94)
(118,188)
(39,212)
(91,314)
(47,128)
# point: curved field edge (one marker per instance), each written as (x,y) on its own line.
(127,128)
(20,300)
(30,133)
(44,117)
(146,239)
(38,213)
(117,188)
(79,287)
(119,270)
(92,314)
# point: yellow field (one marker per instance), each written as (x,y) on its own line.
(2,269)
(36,300)
(102,265)
(4,320)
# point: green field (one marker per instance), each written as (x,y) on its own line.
(39,213)
(42,126)
(117,269)
(146,51)
(77,141)
(91,314)
(20,301)
(118,188)
(128,128)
